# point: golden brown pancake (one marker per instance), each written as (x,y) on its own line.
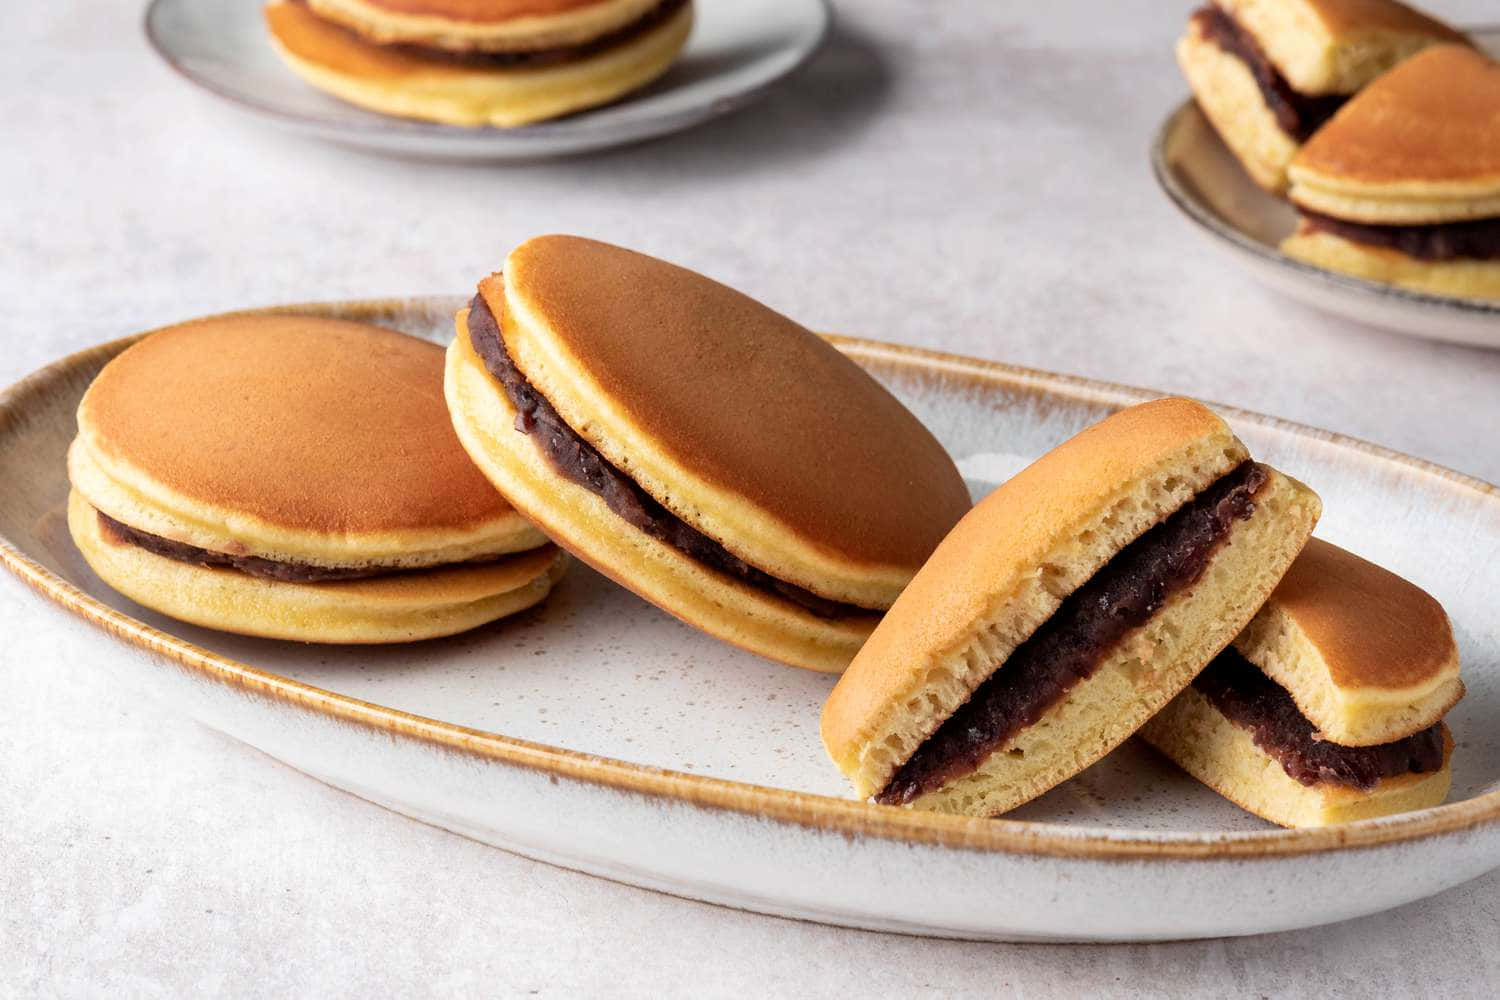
(479,11)
(1336,46)
(500,89)
(734,420)
(312,425)
(1368,657)
(735,395)
(1226,757)
(1420,145)
(1269,73)
(993,677)
(483,25)
(298,451)
(1403,185)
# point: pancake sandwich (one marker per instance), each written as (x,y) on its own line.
(710,454)
(1403,185)
(1328,707)
(1268,73)
(479,62)
(1065,609)
(296,478)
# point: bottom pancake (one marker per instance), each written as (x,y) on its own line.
(1205,743)
(398,607)
(581,521)
(1227,93)
(409,83)
(1460,277)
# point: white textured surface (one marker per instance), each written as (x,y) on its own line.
(979,186)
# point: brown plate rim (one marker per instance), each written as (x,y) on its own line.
(822,813)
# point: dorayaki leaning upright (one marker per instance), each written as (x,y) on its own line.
(1328,707)
(1064,610)
(710,454)
(1269,73)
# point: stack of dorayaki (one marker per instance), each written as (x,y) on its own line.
(498,63)
(308,479)
(1381,124)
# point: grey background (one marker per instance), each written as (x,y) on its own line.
(967,175)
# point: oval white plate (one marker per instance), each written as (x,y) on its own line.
(738,49)
(600,734)
(1205,181)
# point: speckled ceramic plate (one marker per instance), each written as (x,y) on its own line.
(598,733)
(1205,181)
(738,50)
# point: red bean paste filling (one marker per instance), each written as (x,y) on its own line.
(1070,646)
(269,569)
(1298,114)
(1477,239)
(1251,700)
(534,58)
(579,461)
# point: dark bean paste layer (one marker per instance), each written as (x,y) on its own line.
(1251,700)
(270,569)
(1478,239)
(536,58)
(579,461)
(1298,114)
(1070,645)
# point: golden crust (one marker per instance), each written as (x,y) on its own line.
(483,25)
(1420,145)
(411,84)
(1460,278)
(289,437)
(1343,17)
(1368,657)
(1006,567)
(580,521)
(1373,628)
(399,608)
(1336,46)
(741,422)
(1205,743)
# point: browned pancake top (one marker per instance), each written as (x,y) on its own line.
(315,425)
(1436,117)
(1373,628)
(483,11)
(332,46)
(1341,16)
(749,400)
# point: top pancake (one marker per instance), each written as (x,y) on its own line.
(1420,145)
(738,420)
(275,429)
(484,25)
(1336,46)
(1343,17)
(1368,656)
(1007,566)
